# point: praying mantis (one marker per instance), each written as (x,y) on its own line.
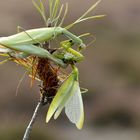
(24,42)
(28,43)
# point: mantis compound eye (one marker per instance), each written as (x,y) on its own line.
(71,42)
(82,46)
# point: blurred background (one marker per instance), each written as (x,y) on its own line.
(111,72)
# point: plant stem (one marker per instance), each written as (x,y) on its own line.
(32,121)
(39,105)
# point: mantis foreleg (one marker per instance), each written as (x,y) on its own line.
(68,54)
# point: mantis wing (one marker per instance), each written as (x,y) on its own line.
(74,108)
(68,96)
(61,98)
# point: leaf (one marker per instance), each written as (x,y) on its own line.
(65,13)
(89,10)
(87,18)
(4,61)
(55,9)
(58,16)
(85,14)
(3,54)
(37,7)
(40,8)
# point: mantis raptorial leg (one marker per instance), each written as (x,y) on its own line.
(68,54)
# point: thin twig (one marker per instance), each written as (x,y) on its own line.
(40,103)
(30,126)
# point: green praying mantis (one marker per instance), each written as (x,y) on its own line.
(24,42)
(28,43)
